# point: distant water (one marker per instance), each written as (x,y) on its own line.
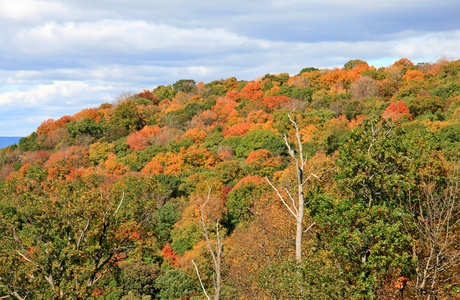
(6,141)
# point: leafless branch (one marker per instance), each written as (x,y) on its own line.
(201,282)
(281,197)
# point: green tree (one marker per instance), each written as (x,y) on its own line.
(363,221)
(59,239)
(184,85)
(126,115)
(174,284)
(164,92)
(351,64)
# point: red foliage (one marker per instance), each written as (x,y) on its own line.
(396,111)
(146,94)
(239,129)
(141,139)
(170,254)
(275,101)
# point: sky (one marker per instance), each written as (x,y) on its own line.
(58,57)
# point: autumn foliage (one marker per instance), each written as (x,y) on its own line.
(130,187)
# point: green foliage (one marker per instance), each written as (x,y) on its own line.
(213,140)
(171,185)
(174,146)
(86,126)
(319,279)
(373,74)
(139,278)
(447,91)
(260,139)
(184,85)
(174,284)
(420,105)
(179,118)
(351,64)
(126,115)
(366,225)
(230,172)
(308,69)
(323,114)
(449,138)
(241,199)
(65,235)
(295,92)
(164,92)
(166,217)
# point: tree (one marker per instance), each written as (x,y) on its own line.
(363,220)
(184,85)
(60,240)
(216,253)
(363,88)
(436,217)
(351,64)
(297,208)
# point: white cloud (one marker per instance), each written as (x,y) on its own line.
(29,10)
(62,55)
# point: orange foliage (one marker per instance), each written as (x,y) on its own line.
(223,108)
(354,73)
(306,133)
(113,166)
(141,139)
(91,113)
(413,75)
(263,160)
(266,241)
(252,91)
(403,62)
(50,125)
(200,87)
(254,179)
(170,163)
(337,75)
(62,163)
(197,136)
(197,157)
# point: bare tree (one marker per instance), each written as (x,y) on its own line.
(363,88)
(216,253)
(436,216)
(122,97)
(297,206)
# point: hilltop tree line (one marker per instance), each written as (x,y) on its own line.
(328,184)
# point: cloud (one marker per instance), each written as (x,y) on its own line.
(26,11)
(59,56)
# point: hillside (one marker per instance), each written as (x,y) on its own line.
(133,199)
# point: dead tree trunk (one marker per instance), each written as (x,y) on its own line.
(216,254)
(297,207)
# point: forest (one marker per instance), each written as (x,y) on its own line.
(327,184)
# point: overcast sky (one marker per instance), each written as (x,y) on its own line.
(59,57)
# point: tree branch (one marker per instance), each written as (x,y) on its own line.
(282,199)
(201,282)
